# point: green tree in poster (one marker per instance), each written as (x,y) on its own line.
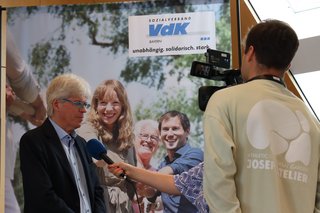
(50,58)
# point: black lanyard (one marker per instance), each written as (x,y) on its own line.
(269,77)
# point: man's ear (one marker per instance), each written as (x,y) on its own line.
(188,131)
(250,53)
(55,105)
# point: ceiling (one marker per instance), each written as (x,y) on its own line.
(301,15)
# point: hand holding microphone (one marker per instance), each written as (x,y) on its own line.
(116,169)
(98,152)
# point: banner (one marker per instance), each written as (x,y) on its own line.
(150,55)
(171,34)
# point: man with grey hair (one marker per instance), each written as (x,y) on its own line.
(58,173)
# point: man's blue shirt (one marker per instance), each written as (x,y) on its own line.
(184,159)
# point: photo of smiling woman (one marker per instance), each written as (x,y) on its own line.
(110,121)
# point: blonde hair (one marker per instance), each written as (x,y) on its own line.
(122,132)
(65,86)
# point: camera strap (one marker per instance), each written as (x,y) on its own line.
(269,77)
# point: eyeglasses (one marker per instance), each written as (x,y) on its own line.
(145,137)
(79,104)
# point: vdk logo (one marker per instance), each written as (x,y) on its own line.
(168,29)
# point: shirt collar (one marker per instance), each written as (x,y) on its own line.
(63,135)
(179,152)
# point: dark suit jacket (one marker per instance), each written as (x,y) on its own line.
(48,181)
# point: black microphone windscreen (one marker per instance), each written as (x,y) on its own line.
(96,149)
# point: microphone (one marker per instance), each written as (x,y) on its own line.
(98,152)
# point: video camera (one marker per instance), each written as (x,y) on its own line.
(216,67)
